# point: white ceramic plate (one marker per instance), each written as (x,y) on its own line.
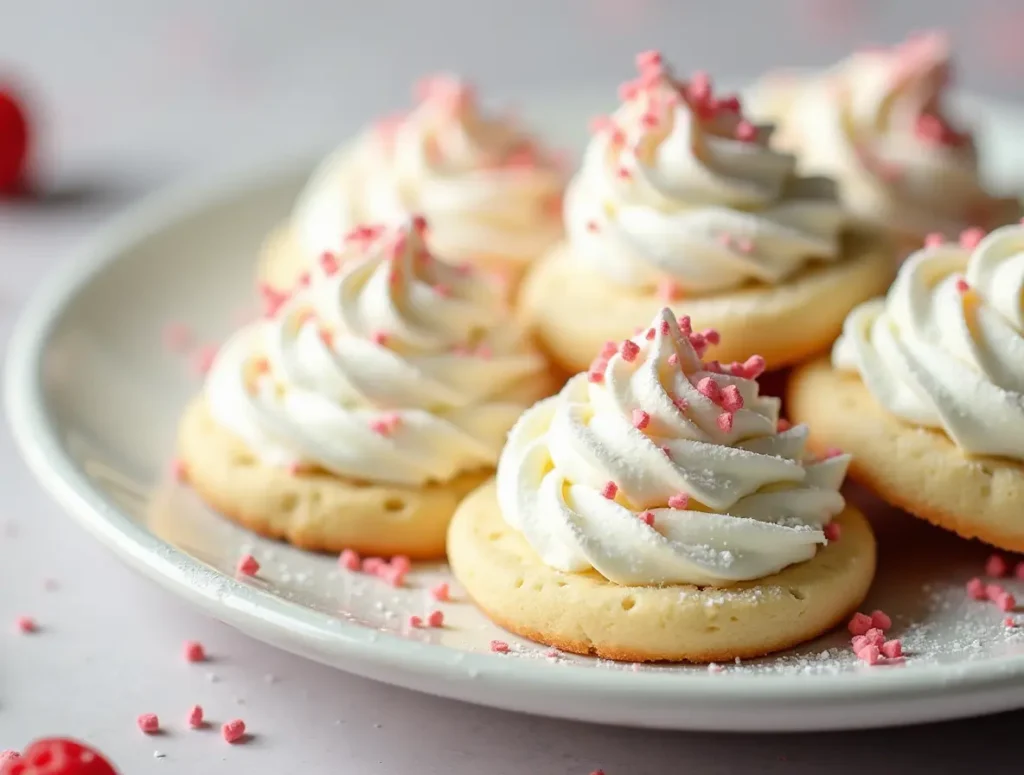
(93,399)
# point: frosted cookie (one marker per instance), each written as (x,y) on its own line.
(926,388)
(876,122)
(682,200)
(653,510)
(492,194)
(359,411)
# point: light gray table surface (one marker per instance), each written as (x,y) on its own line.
(134,94)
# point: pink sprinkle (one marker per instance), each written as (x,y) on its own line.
(442,290)
(754,366)
(679,501)
(712,335)
(875,636)
(833,531)
(608,349)
(305,279)
(1007,622)
(419,224)
(858,642)
(247,565)
(732,401)
(647,60)
(961,285)
(441,592)
(595,373)
(272,299)
(610,490)
(624,174)
(148,723)
(641,419)
(831,452)
(379,338)
(667,452)
(685,325)
(933,240)
(725,420)
(1006,602)
(708,388)
(969,238)
(179,470)
(994,591)
(681,403)
(783,425)
(195,717)
(870,654)
(194,651)
(373,565)
(630,350)
(892,649)
(859,624)
(435,619)
(329,263)
(26,624)
(177,337)
(386,424)
(976,589)
(881,620)
(673,359)
(402,563)
(204,358)
(499,646)
(669,290)
(698,342)
(649,336)
(592,226)
(233,731)
(349,560)
(415,622)
(9,755)
(746,132)
(647,517)
(1019,571)
(997,566)
(390,575)
(714,367)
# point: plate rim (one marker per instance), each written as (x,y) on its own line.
(327,639)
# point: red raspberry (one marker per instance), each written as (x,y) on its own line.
(14,142)
(58,757)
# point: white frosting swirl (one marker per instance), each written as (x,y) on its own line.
(945,348)
(876,123)
(390,366)
(650,419)
(487,189)
(677,187)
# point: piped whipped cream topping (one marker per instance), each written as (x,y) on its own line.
(680,192)
(488,189)
(878,124)
(385,365)
(656,467)
(945,348)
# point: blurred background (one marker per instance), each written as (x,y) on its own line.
(156,87)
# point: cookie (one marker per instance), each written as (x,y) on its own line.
(918,469)
(584,613)
(574,312)
(315,510)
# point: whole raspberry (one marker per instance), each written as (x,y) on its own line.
(57,756)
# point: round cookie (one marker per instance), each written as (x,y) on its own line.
(316,510)
(586,614)
(574,312)
(918,469)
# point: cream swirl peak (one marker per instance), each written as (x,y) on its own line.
(386,365)
(945,348)
(488,188)
(878,124)
(679,191)
(659,468)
